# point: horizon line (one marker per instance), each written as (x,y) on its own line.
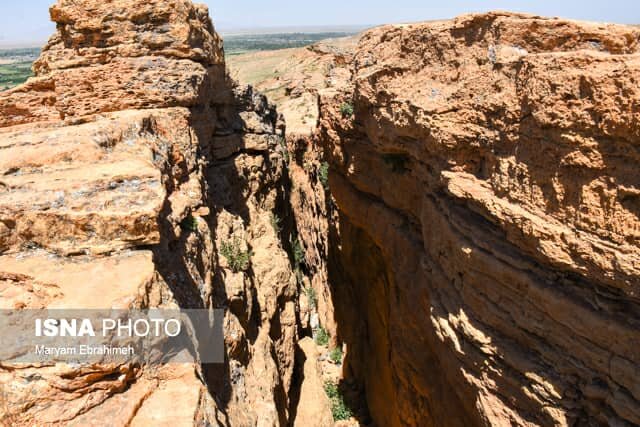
(236,30)
(224,30)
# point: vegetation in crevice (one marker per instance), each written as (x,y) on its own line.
(275,223)
(238,259)
(190,223)
(321,336)
(346,110)
(339,408)
(336,355)
(298,253)
(312,298)
(323,175)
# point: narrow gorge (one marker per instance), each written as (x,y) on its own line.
(448,235)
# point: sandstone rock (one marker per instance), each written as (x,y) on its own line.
(485,267)
(97,32)
(314,408)
(119,55)
(114,194)
(311,205)
(476,247)
(293,77)
(47,281)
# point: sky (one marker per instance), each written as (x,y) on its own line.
(26,22)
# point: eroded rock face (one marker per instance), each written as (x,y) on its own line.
(125,165)
(487,271)
(113,56)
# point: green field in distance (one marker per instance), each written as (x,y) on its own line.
(239,44)
(15,64)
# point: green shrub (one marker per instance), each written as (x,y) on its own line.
(346,109)
(275,223)
(339,408)
(336,355)
(323,175)
(397,162)
(311,297)
(298,253)
(238,259)
(190,223)
(321,336)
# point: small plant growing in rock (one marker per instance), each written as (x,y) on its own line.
(336,355)
(298,253)
(312,298)
(190,223)
(397,162)
(275,223)
(339,408)
(323,175)
(346,109)
(238,259)
(321,336)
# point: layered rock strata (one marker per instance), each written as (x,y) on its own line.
(476,246)
(126,164)
(486,262)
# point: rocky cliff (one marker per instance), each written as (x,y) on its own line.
(485,268)
(476,246)
(126,165)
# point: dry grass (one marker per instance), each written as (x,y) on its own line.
(289,78)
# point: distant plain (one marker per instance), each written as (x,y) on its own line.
(15,64)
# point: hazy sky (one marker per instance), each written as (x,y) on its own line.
(27,21)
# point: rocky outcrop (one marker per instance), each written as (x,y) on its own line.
(126,164)
(316,408)
(485,265)
(475,248)
(301,77)
(292,78)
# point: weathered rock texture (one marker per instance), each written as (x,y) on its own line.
(125,164)
(479,250)
(487,271)
(293,79)
(319,67)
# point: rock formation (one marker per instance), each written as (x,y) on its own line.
(485,268)
(476,246)
(126,163)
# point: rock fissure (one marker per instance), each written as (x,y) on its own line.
(520,312)
(451,214)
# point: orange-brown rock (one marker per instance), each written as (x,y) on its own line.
(293,77)
(487,259)
(117,55)
(314,408)
(126,164)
